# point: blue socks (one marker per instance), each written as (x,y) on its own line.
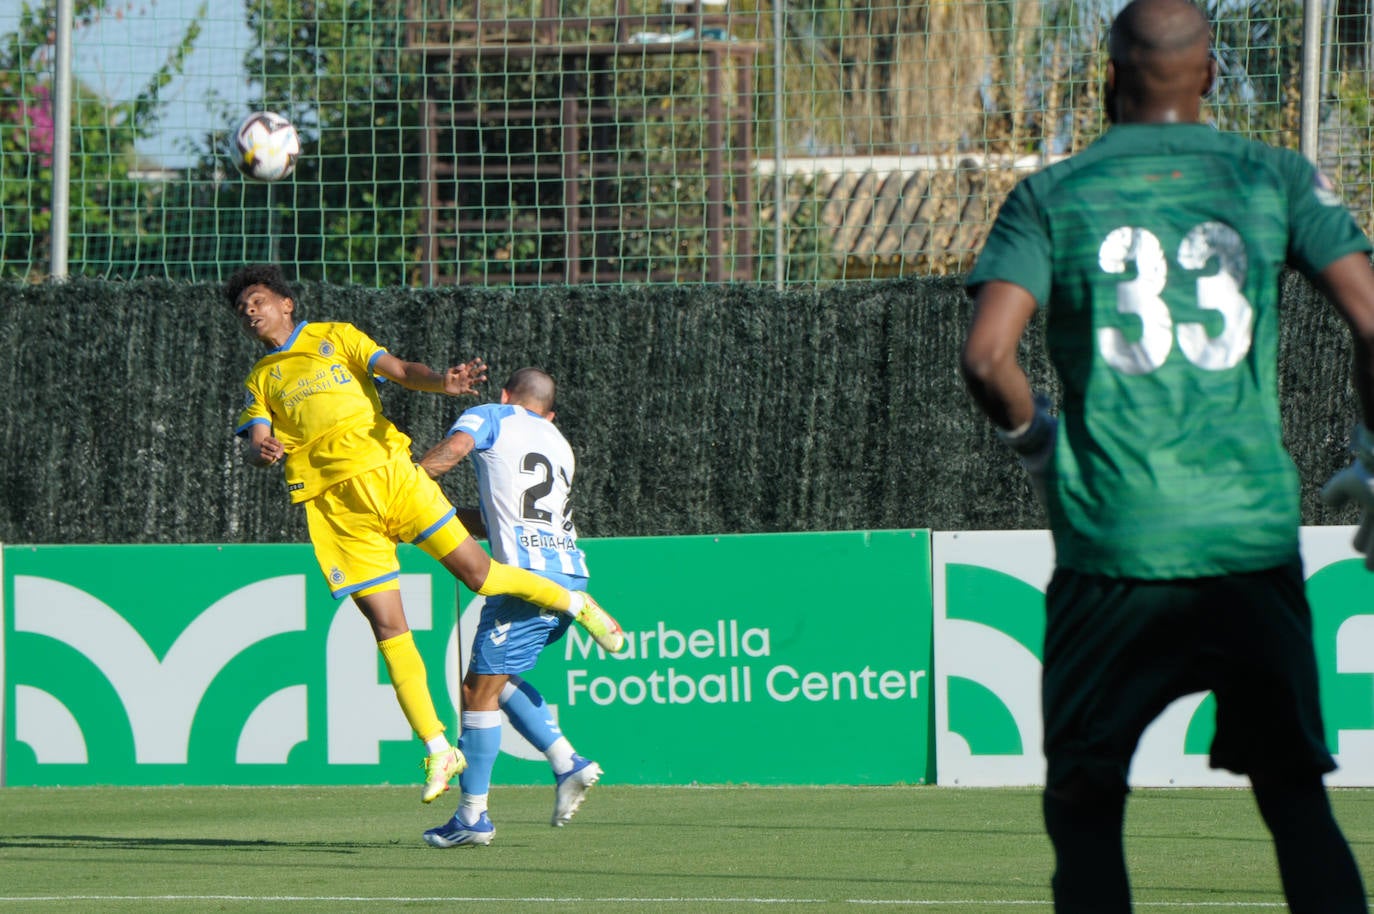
(481,743)
(529,714)
(533,719)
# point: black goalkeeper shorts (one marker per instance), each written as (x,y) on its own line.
(1118,651)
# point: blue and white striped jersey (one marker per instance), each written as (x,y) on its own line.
(524,480)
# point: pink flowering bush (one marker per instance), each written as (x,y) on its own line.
(39,116)
(105,203)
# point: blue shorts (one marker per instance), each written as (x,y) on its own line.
(511,632)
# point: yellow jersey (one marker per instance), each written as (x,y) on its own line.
(317,395)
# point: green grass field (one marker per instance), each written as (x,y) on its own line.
(630,849)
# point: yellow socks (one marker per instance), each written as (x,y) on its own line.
(528,586)
(407,672)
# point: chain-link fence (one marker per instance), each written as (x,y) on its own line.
(537,142)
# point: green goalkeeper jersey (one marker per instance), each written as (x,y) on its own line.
(1156,254)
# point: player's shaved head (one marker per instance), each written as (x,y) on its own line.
(1150,30)
(1161,64)
(531,388)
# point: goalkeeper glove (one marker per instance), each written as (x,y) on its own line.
(1034,445)
(1356,484)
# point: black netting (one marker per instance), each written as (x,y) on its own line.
(692,409)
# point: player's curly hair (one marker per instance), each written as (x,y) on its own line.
(258,274)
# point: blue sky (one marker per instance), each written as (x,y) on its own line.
(117,55)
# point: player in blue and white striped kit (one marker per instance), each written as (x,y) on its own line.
(524,471)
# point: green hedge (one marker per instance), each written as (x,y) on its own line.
(692,409)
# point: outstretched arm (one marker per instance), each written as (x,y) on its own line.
(446,455)
(443,457)
(455,381)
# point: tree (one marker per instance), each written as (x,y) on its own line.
(337,69)
(1058,97)
(106,204)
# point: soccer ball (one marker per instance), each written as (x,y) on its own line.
(265,146)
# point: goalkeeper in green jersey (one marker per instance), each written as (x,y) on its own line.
(1156,254)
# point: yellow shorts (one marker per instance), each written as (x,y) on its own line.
(355,526)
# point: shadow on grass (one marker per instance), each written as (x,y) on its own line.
(125,842)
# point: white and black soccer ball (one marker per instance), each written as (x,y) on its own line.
(265,146)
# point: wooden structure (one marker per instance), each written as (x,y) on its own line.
(885,216)
(569,141)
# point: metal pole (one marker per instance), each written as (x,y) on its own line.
(1328,42)
(61,142)
(779,184)
(1310,110)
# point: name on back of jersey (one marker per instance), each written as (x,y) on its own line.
(540,539)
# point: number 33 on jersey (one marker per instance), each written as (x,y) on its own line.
(1162,321)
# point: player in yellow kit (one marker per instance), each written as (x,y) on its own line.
(312,405)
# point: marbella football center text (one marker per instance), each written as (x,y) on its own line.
(748,671)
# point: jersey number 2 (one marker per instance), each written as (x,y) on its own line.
(536,464)
(1220,292)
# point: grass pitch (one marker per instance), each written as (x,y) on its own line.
(630,849)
